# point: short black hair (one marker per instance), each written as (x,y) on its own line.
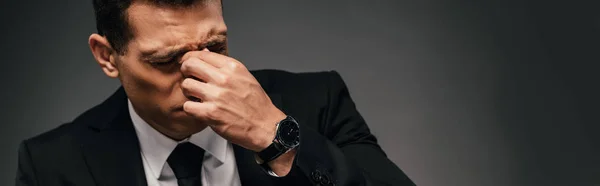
(111,19)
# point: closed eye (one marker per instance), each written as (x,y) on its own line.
(217,47)
(164,62)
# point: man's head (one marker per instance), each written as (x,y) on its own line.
(141,42)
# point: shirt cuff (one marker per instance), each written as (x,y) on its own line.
(265,167)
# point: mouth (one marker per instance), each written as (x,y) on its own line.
(178,112)
(179,107)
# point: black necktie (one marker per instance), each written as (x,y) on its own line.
(186,162)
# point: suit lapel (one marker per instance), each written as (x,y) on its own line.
(249,171)
(111,148)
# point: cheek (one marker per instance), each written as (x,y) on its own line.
(149,84)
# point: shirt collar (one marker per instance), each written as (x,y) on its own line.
(156,147)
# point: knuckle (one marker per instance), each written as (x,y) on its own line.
(219,93)
(236,65)
(225,79)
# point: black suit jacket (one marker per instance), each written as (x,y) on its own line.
(100,147)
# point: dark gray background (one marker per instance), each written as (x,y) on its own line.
(463,92)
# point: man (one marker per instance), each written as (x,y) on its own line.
(187,114)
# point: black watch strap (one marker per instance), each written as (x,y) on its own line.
(272,152)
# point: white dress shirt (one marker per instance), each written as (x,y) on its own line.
(218,168)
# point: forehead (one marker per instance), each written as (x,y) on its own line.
(158,26)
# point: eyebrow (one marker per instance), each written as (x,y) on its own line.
(157,54)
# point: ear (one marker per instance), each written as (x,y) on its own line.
(104,55)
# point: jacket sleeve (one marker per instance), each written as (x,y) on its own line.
(25,173)
(344,152)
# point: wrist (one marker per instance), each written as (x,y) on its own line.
(282,165)
(269,129)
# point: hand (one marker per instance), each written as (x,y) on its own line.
(232,102)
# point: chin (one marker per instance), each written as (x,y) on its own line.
(183,123)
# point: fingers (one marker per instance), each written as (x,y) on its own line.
(194,67)
(194,88)
(199,110)
(203,91)
(203,110)
(214,59)
(209,111)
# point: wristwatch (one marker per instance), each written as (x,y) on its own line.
(287,137)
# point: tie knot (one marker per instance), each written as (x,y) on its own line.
(186,160)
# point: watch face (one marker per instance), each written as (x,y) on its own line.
(289,133)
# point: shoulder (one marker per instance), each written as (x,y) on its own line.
(289,82)
(65,135)
(50,143)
